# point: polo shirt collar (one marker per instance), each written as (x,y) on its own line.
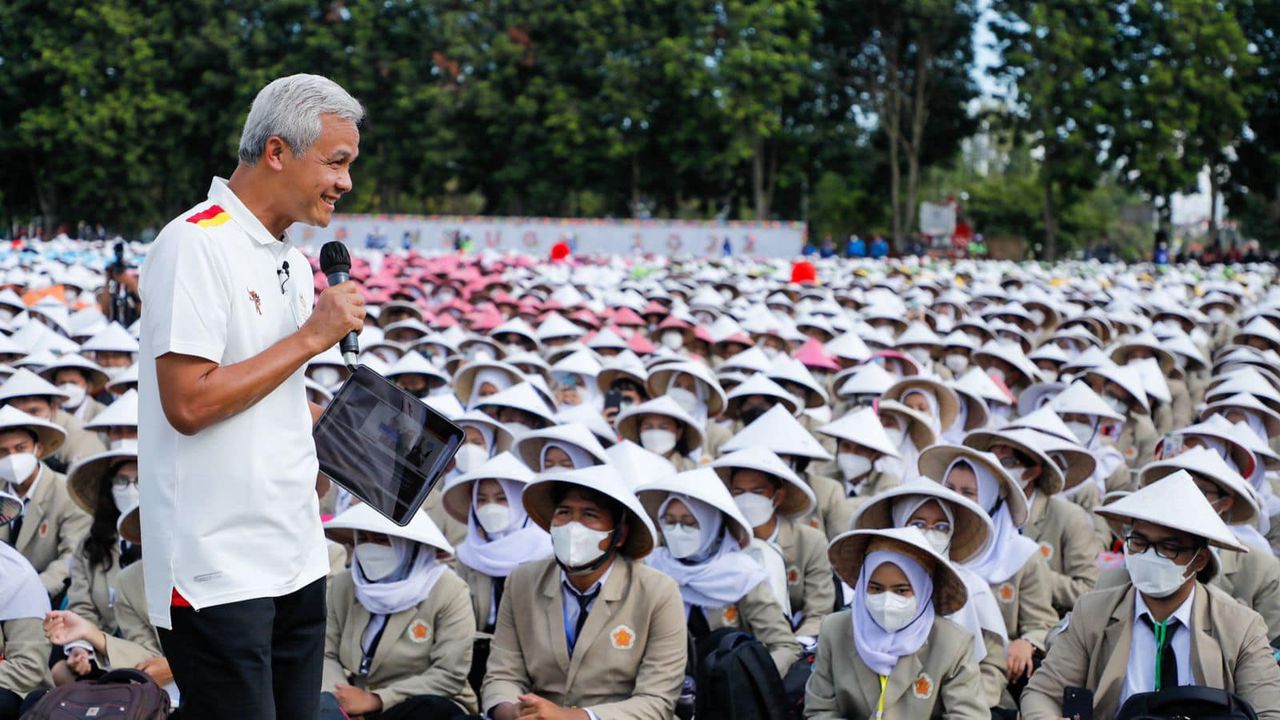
(222,194)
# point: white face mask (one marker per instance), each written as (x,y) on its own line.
(493,517)
(891,611)
(1116,404)
(114,372)
(757,509)
(956,363)
(75,394)
(1153,575)
(996,373)
(326,376)
(853,465)
(939,540)
(895,436)
(376,561)
(1037,316)
(470,456)
(770,351)
(658,441)
(921,356)
(16,468)
(1082,430)
(125,498)
(685,399)
(577,545)
(1049,375)
(682,541)
(673,339)
(1216,314)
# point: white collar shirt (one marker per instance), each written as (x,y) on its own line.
(1140,673)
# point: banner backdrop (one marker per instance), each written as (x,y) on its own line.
(535,236)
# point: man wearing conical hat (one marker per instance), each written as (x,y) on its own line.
(1166,627)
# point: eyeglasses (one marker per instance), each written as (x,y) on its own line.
(1167,549)
(120,482)
(941,526)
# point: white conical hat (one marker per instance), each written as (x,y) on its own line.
(457,490)
(799,500)
(1208,464)
(636,465)
(848,552)
(583,362)
(413,363)
(779,431)
(25,383)
(518,326)
(869,379)
(464,380)
(529,446)
(95,375)
(1153,379)
(126,379)
(520,396)
(603,479)
(861,427)
(628,421)
(1259,327)
(1176,503)
(935,460)
(557,326)
(792,370)
(1129,378)
(761,385)
(113,338)
(121,413)
(363,518)
(700,484)
(749,362)
(972,530)
(1050,482)
(1080,399)
(977,382)
(1241,400)
(849,346)
(1046,421)
(660,381)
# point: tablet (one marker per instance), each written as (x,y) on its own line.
(383,445)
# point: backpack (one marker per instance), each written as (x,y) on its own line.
(125,694)
(737,680)
(1187,701)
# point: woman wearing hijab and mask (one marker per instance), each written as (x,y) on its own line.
(771,499)
(483,437)
(910,431)
(23,606)
(105,486)
(959,530)
(1121,388)
(500,538)
(861,444)
(1096,426)
(703,534)
(1062,529)
(695,389)
(928,397)
(1012,565)
(894,655)
(569,446)
(663,428)
(592,628)
(400,627)
(483,378)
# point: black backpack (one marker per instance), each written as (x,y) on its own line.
(737,680)
(1187,701)
(125,694)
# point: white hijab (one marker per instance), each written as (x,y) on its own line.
(881,649)
(579,457)
(22,596)
(493,376)
(1009,550)
(409,585)
(935,422)
(955,434)
(522,541)
(719,574)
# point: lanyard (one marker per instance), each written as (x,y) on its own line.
(884,682)
(1162,636)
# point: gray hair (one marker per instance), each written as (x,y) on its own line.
(290,108)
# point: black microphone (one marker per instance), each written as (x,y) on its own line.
(335,263)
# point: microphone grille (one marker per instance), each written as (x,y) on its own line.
(334,258)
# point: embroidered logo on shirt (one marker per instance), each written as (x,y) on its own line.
(419,632)
(257,301)
(730,615)
(213,216)
(813,523)
(1046,550)
(1131,452)
(44,528)
(922,687)
(793,576)
(622,638)
(1005,592)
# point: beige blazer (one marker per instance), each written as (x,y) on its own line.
(1181,406)
(93,590)
(940,680)
(630,659)
(1088,498)
(89,410)
(1069,542)
(80,443)
(137,640)
(25,666)
(425,650)
(759,613)
(1026,602)
(994,673)
(834,509)
(454,531)
(1228,647)
(481,587)
(714,436)
(810,583)
(53,526)
(1137,441)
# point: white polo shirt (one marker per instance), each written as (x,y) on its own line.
(230,513)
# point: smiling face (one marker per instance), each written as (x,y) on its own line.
(317,178)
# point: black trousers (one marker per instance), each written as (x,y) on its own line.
(258,659)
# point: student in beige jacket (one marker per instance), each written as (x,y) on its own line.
(23,605)
(592,632)
(1108,646)
(892,655)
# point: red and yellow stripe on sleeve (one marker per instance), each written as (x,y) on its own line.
(212,216)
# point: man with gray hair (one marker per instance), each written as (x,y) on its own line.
(236,559)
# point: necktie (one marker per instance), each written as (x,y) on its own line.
(1166,675)
(499,585)
(584,603)
(15,527)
